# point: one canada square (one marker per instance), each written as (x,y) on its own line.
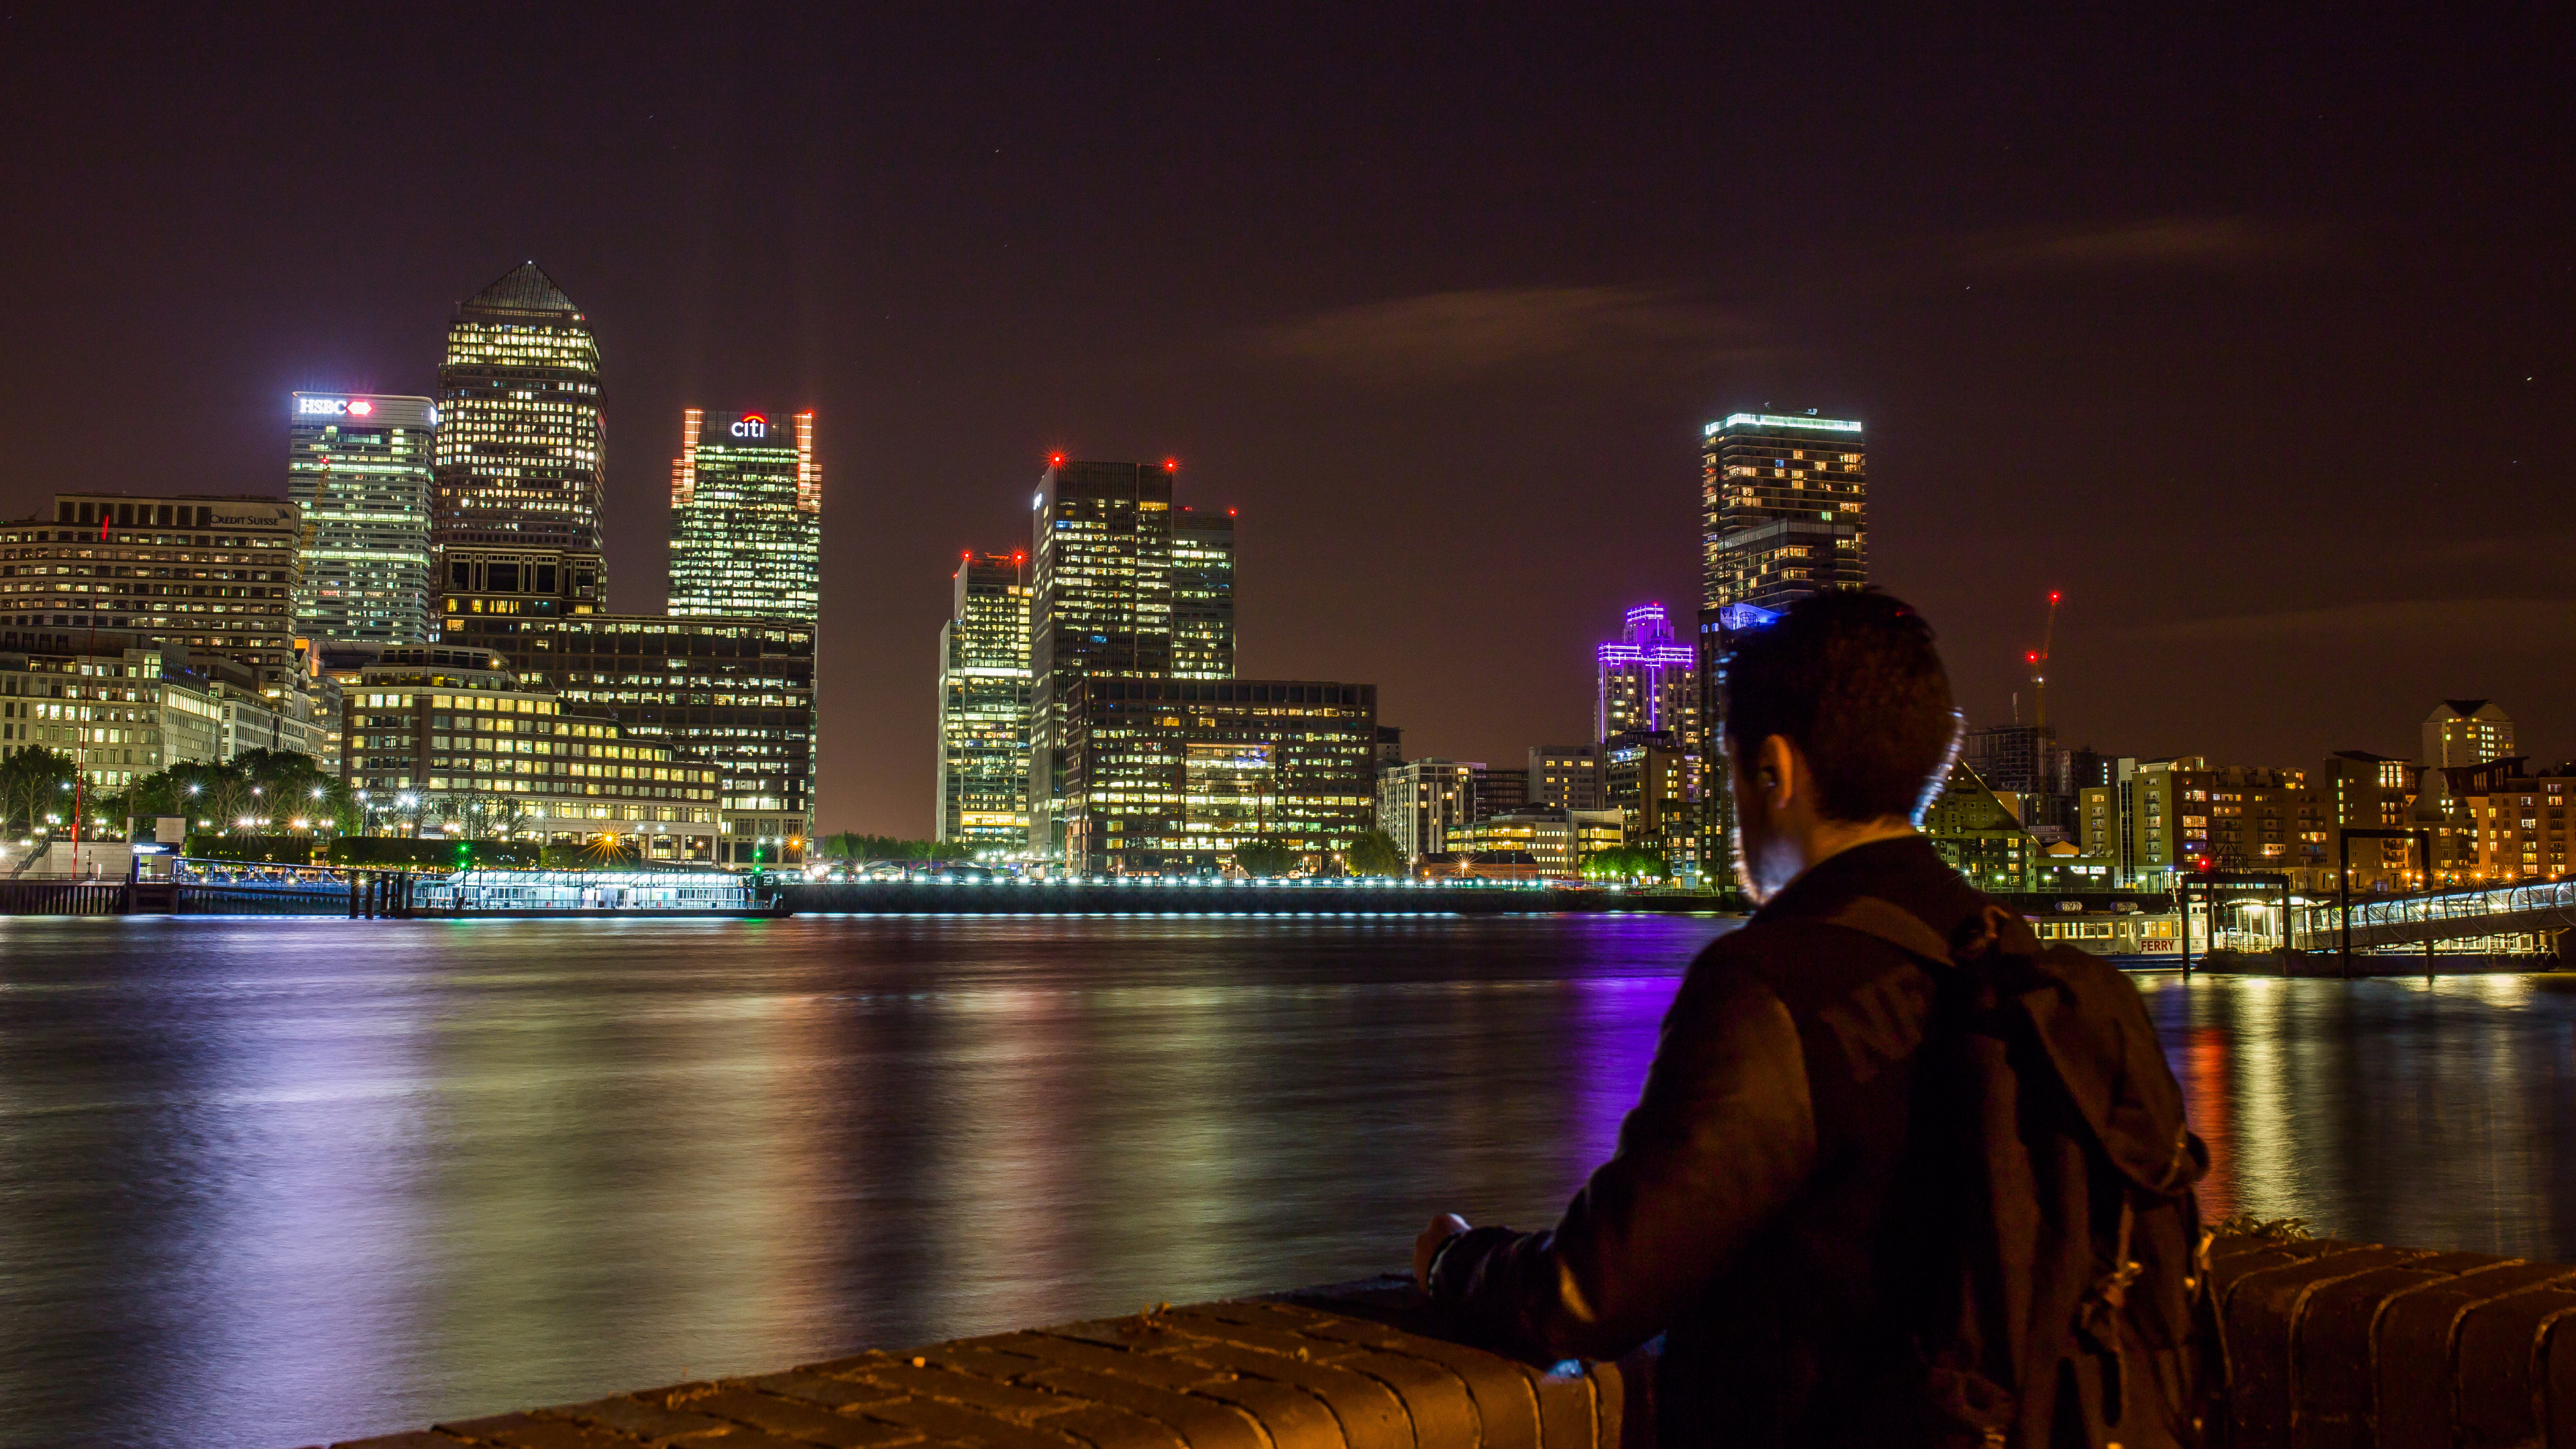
(520,458)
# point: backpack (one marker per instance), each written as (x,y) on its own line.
(2063,1288)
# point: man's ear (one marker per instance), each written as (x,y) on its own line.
(1776,766)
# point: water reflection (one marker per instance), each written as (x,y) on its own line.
(2391,1110)
(269,1182)
(278,1181)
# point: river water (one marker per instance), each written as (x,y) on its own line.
(271,1182)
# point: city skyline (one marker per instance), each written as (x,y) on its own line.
(2164,391)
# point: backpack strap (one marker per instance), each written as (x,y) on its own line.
(1992,927)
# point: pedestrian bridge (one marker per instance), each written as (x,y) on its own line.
(2538,909)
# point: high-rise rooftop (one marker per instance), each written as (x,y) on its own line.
(1783,508)
(521,455)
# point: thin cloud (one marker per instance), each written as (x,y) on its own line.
(1448,337)
(2405,625)
(2172,241)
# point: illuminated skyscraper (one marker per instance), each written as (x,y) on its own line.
(1782,509)
(520,457)
(1647,682)
(1646,724)
(746,517)
(359,467)
(1203,594)
(984,706)
(1100,547)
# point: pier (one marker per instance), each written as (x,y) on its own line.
(2340,1343)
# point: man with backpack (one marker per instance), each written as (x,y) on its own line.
(1897,1176)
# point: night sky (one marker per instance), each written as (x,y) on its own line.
(2251,335)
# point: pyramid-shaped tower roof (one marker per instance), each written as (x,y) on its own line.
(525,288)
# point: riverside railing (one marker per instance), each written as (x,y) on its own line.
(2328,1342)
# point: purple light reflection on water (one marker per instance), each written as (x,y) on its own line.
(1614,1038)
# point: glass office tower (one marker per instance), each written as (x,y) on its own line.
(1203,594)
(984,706)
(1100,547)
(358,465)
(746,517)
(520,457)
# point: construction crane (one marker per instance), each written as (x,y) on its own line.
(2038,659)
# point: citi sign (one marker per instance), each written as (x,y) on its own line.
(751,425)
(333,407)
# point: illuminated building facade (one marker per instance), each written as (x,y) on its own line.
(442,736)
(2160,819)
(1650,778)
(2467,732)
(1556,839)
(746,517)
(2516,823)
(1782,508)
(984,706)
(1565,777)
(1421,804)
(116,707)
(1172,776)
(1202,594)
(736,692)
(2365,791)
(1100,551)
(358,465)
(217,575)
(1979,834)
(1646,681)
(1646,716)
(520,456)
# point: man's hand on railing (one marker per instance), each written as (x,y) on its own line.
(1426,1248)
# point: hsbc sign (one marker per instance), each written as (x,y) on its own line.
(333,407)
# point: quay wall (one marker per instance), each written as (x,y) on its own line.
(2331,1343)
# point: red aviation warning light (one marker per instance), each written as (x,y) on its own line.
(2037,659)
(1055,460)
(1171,465)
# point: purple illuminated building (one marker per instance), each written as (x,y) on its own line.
(1650,693)
(1648,680)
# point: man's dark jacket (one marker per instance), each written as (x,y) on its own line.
(1757,1209)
